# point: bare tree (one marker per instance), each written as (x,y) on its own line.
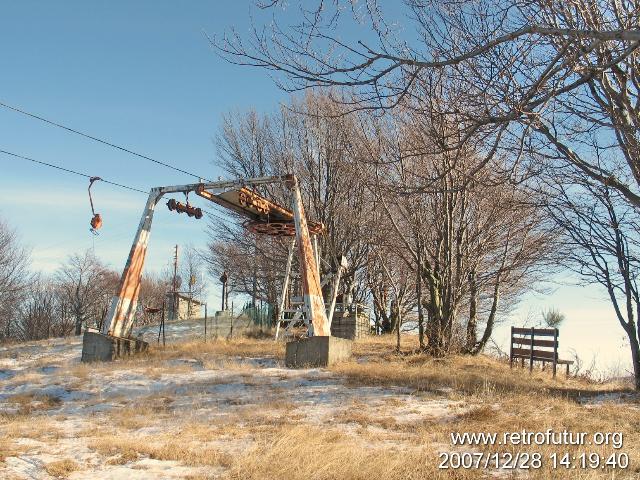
(153,290)
(193,274)
(86,287)
(520,70)
(473,240)
(389,281)
(38,312)
(310,139)
(554,83)
(14,277)
(603,247)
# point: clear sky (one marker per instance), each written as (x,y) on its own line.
(143,75)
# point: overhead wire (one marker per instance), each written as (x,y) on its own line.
(100,140)
(96,139)
(74,172)
(68,170)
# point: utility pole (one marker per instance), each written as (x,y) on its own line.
(225,294)
(175,283)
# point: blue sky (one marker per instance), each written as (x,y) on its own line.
(143,75)
(139,73)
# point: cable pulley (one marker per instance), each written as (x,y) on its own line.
(175,206)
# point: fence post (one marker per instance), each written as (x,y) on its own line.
(205,323)
(161,326)
(511,349)
(531,351)
(555,351)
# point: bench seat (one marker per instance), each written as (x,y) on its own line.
(536,345)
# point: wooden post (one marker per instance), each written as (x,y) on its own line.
(531,351)
(511,349)
(162,326)
(205,323)
(161,322)
(356,314)
(555,351)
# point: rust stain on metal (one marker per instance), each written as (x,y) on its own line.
(121,312)
(96,221)
(128,291)
(179,207)
(265,216)
(311,289)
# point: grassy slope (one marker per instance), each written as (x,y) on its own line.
(278,440)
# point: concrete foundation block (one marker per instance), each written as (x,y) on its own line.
(317,351)
(97,347)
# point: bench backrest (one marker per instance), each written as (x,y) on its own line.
(534,343)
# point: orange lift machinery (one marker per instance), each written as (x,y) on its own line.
(263,217)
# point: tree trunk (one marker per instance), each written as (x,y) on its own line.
(488,330)
(635,354)
(435,321)
(472,326)
(393,316)
(420,312)
(399,323)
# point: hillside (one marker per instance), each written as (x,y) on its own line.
(229,409)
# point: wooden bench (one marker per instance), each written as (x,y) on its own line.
(536,344)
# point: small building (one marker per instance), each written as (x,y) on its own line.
(182,307)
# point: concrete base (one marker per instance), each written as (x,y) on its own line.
(317,351)
(97,347)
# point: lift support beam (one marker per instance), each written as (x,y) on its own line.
(261,213)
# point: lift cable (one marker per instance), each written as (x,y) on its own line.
(105,142)
(70,171)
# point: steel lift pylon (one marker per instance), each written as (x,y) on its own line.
(264,217)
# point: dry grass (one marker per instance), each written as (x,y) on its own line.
(499,399)
(125,449)
(132,418)
(237,347)
(304,452)
(273,437)
(29,402)
(25,377)
(463,375)
(24,426)
(61,468)
(8,449)
(365,419)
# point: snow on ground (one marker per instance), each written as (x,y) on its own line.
(630,399)
(66,411)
